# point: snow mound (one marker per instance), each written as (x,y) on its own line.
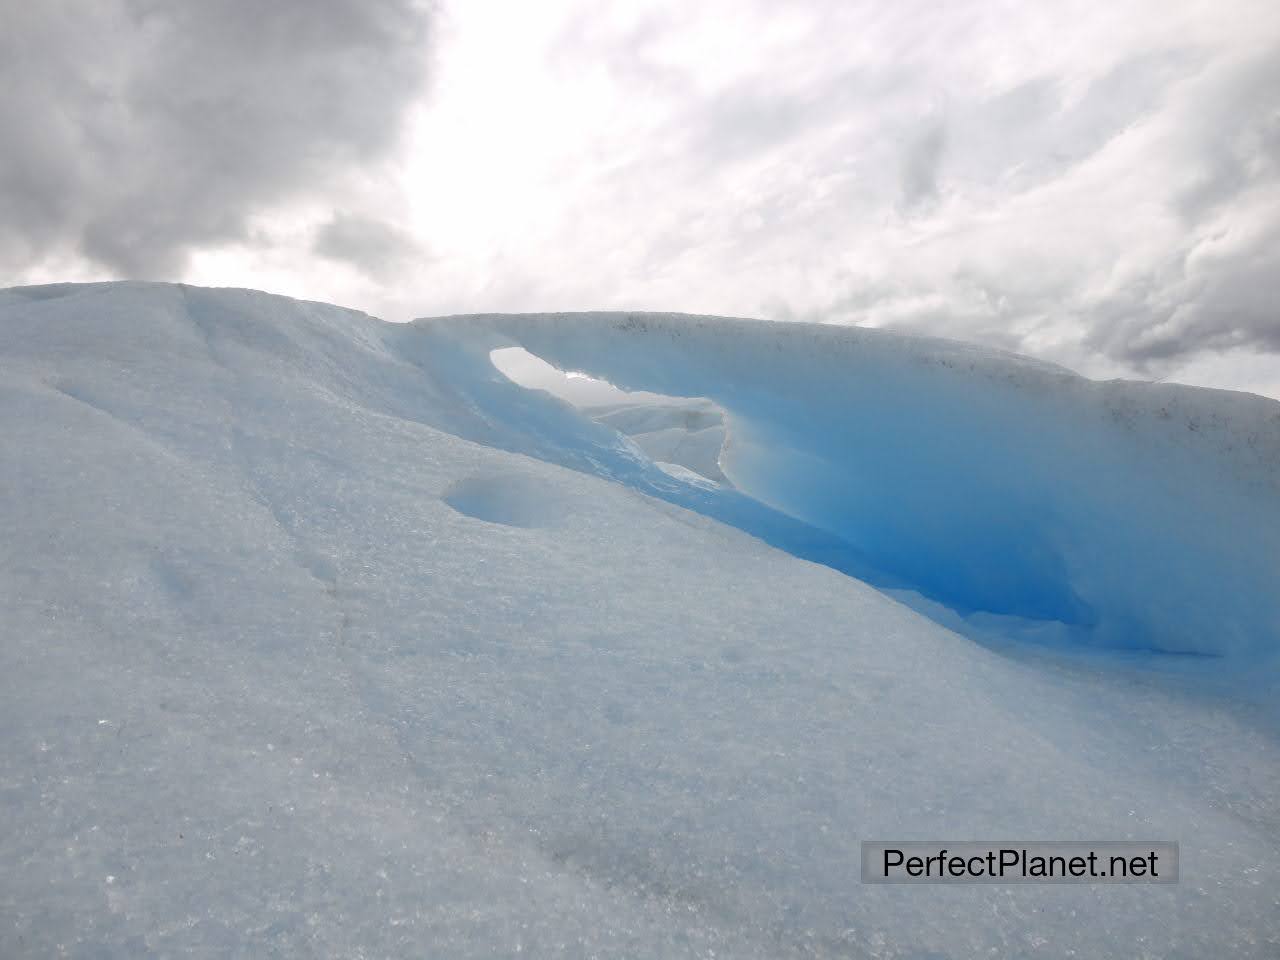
(321,637)
(1142,516)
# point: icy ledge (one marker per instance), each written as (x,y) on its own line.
(1136,515)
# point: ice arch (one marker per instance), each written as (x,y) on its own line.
(1139,515)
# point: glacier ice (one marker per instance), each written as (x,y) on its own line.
(1142,515)
(322,637)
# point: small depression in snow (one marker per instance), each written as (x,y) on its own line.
(511,499)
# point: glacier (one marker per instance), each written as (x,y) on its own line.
(322,636)
(1141,515)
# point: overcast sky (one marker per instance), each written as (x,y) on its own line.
(1096,183)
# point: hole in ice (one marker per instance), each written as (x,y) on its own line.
(528,370)
(683,436)
(511,499)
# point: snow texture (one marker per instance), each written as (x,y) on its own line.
(321,637)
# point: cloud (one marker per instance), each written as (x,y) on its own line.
(374,247)
(1222,294)
(920,166)
(138,130)
(1095,185)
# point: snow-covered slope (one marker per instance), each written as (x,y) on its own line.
(320,637)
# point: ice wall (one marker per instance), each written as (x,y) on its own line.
(1139,515)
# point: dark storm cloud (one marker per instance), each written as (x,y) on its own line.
(136,130)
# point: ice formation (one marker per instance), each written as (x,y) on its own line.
(323,637)
(1142,515)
